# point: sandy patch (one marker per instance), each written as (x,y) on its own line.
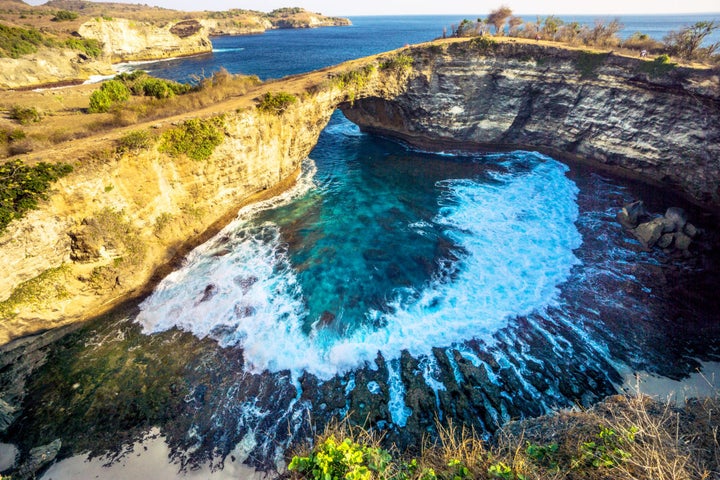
(149,459)
(701,384)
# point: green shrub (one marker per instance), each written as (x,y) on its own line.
(543,455)
(10,136)
(89,46)
(21,186)
(25,115)
(196,138)
(398,62)
(135,141)
(110,94)
(344,460)
(16,42)
(276,103)
(608,449)
(658,67)
(588,62)
(483,43)
(64,16)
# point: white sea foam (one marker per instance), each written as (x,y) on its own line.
(225,50)
(517,235)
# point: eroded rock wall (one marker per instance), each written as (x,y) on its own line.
(118,221)
(128,40)
(661,123)
(49,66)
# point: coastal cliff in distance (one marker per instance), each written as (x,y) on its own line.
(649,119)
(63,29)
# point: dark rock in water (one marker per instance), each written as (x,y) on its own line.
(327,318)
(245,283)
(678,217)
(690,230)
(682,241)
(650,232)
(37,459)
(631,214)
(665,240)
(208,293)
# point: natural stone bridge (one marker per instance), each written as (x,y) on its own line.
(640,118)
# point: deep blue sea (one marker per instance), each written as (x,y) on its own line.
(278,53)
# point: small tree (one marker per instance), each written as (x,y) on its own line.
(603,34)
(498,17)
(551,27)
(686,43)
(514,23)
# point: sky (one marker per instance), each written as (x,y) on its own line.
(423,7)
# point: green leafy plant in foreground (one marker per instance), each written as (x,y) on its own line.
(21,186)
(658,67)
(608,450)
(344,460)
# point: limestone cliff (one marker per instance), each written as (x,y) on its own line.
(125,40)
(49,66)
(115,225)
(650,119)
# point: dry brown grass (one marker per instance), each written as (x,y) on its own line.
(648,440)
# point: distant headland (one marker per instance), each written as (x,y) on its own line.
(69,41)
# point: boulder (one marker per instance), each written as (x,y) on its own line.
(650,232)
(682,241)
(666,239)
(678,217)
(690,230)
(631,214)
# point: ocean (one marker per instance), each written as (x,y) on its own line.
(277,53)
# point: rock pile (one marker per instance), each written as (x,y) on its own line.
(671,232)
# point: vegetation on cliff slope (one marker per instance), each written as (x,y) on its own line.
(16,42)
(688,43)
(623,438)
(22,186)
(196,138)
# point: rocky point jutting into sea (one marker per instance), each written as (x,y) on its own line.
(661,125)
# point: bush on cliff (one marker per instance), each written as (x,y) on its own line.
(21,186)
(142,84)
(25,115)
(276,103)
(196,138)
(64,16)
(111,93)
(16,42)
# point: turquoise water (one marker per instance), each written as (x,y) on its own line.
(378,249)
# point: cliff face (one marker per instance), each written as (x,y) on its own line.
(125,40)
(49,66)
(116,224)
(117,219)
(656,121)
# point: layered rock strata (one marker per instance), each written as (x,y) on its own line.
(125,40)
(642,117)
